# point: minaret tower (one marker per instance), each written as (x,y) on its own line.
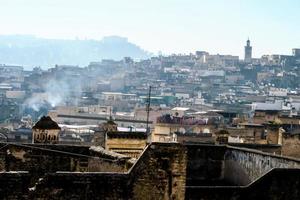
(248,52)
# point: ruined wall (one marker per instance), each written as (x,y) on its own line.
(205,164)
(160,172)
(268,148)
(65,185)
(39,159)
(164,171)
(280,184)
(213,165)
(242,166)
(14,185)
(290,146)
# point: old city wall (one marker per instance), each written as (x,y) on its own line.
(213,165)
(243,166)
(290,146)
(205,164)
(39,159)
(164,171)
(276,184)
(14,185)
(158,174)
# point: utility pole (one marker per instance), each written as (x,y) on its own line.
(148,109)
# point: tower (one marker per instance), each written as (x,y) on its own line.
(45,131)
(248,52)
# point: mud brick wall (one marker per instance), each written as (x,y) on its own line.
(160,173)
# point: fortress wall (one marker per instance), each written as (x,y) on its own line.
(243,166)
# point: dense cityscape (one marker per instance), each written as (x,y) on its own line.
(197,84)
(149,100)
(116,108)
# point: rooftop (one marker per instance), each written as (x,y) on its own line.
(46,123)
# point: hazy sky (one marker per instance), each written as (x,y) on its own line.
(170,26)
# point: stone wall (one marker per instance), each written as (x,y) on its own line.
(164,171)
(268,148)
(213,165)
(40,159)
(14,185)
(280,184)
(243,166)
(205,164)
(290,146)
(158,174)
(63,185)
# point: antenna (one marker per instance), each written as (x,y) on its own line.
(148,108)
(110,113)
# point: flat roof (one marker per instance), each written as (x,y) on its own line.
(180,109)
(250,124)
(118,93)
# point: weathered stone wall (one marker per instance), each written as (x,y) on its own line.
(40,159)
(213,165)
(14,185)
(164,171)
(280,184)
(205,164)
(242,166)
(160,172)
(291,146)
(268,148)
(65,185)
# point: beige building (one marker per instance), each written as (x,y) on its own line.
(127,142)
(168,128)
(45,131)
(247,133)
(274,134)
(263,116)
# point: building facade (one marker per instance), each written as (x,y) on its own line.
(45,131)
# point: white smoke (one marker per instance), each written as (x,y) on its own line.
(55,93)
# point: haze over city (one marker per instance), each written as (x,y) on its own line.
(147,100)
(169,26)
